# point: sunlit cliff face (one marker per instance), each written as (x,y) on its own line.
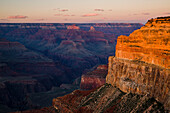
(150,43)
(142,62)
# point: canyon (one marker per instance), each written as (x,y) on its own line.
(39,62)
(137,79)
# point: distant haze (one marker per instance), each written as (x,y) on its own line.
(81,11)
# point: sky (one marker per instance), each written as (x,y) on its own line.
(82,11)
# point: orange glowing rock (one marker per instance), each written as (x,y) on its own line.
(92,28)
(142,62)
(73,27)
(150,44)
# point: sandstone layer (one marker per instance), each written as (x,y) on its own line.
(150,44)
(139,77)
(95,78)
(142,62)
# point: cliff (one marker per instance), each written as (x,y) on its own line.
(149,44)
(95,78)
(141,64)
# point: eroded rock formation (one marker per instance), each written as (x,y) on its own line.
(95,78)
(150,44)
(142,60)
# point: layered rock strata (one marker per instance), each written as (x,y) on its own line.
(150,44)
(95,78)
(142,62)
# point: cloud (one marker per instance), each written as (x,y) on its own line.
(66,19)
(41,19)
(167,13)
(17,17)
(66,15)
(62,15)
(63,10)
(98,9)
(90,14)
(4,20)
(58,15)
(141,14)
(145,13)
(110,10)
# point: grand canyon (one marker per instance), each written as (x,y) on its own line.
(137,79)
(47,60)
(63,68)
(84,56)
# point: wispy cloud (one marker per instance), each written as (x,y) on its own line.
(41,19)
(141,14)
(90,14)
(110,10)
(68,15)
(18,17)
(63,15)
(63,10)
(98,9)
(57,14)
(167,13)
(145,13)
(4,20)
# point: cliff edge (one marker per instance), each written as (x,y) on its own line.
(150,44)
(141,64)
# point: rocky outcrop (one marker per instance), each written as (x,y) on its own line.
(94,79)
(139,77)
(107,99)
(92,29)
(150,44)
(142,63)
(73,27)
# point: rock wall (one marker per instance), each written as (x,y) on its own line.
(142,62)
(139,77)
(151,43)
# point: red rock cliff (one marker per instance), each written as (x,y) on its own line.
(150,44)
(142,60)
